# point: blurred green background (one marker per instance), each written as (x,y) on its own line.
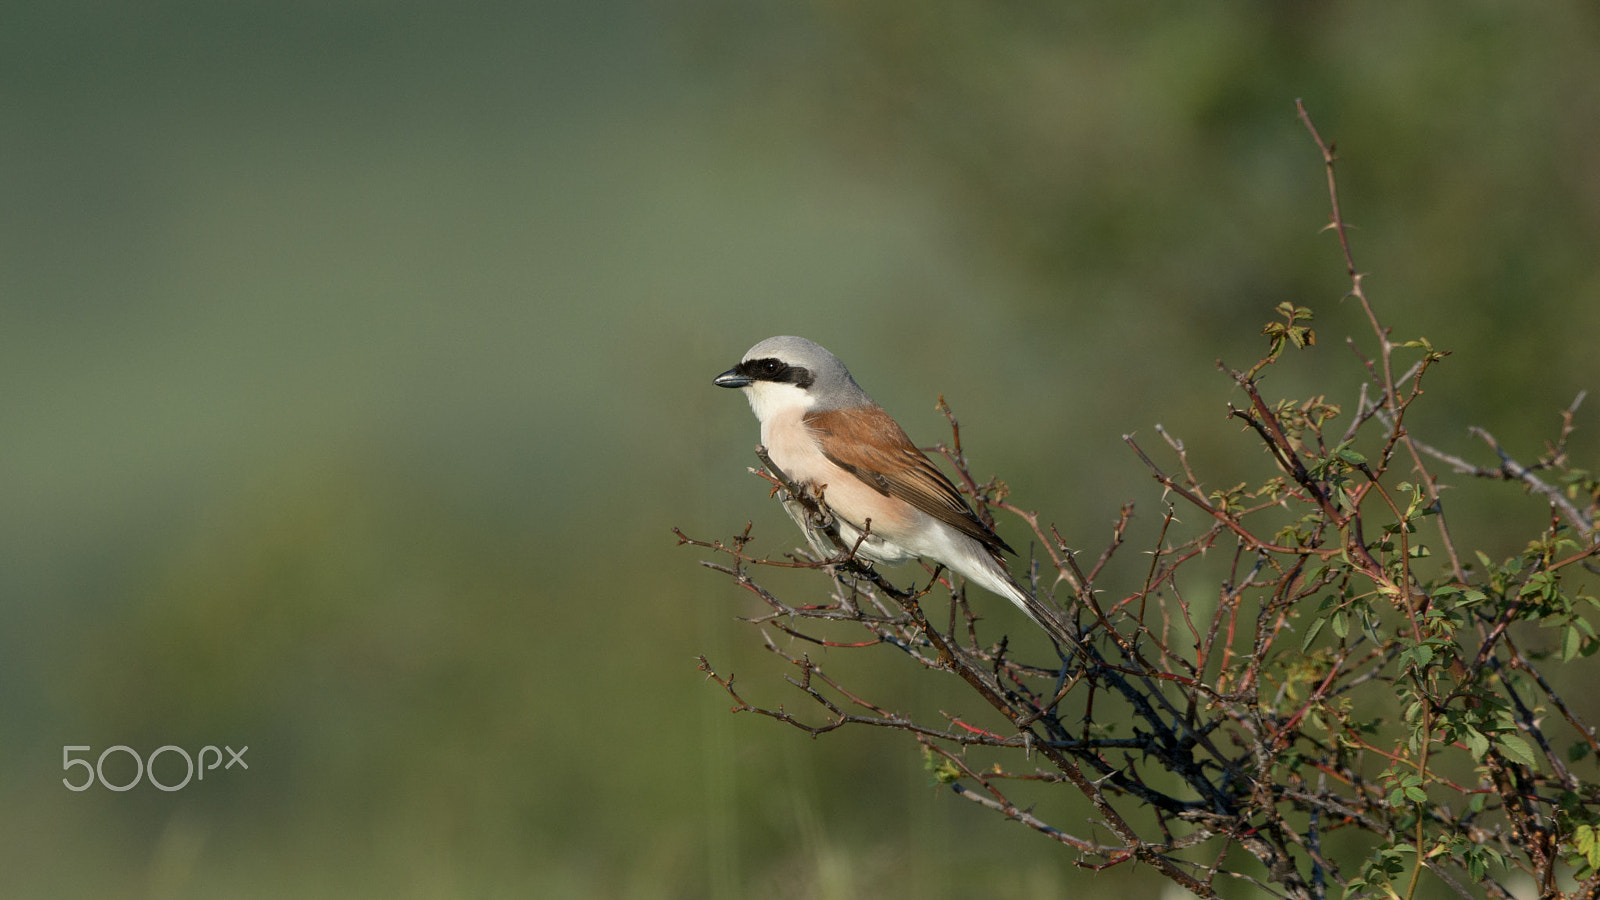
(355,363)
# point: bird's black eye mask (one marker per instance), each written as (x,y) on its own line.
(771,369)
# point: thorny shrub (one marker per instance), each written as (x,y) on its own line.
(1353,669)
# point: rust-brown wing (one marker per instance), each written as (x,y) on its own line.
(870,445)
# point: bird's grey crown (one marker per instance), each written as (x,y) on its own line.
(831,386)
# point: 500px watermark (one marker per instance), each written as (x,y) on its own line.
(145,768)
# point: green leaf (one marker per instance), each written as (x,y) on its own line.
(1479,859)
(1417,794)
(1571,641)
(1311,633)
(1518,749)
(1423,654)
(1476,743)
(943,771)
(1341,625)
(1351,456)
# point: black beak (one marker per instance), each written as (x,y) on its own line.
(732,379)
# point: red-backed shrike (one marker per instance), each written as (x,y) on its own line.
(825,433)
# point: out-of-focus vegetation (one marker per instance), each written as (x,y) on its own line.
(356,361)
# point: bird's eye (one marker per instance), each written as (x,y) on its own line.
(771,367)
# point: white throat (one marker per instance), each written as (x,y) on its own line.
(770,399)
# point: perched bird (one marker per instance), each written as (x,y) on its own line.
(825,433)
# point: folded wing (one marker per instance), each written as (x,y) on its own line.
(867,443)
